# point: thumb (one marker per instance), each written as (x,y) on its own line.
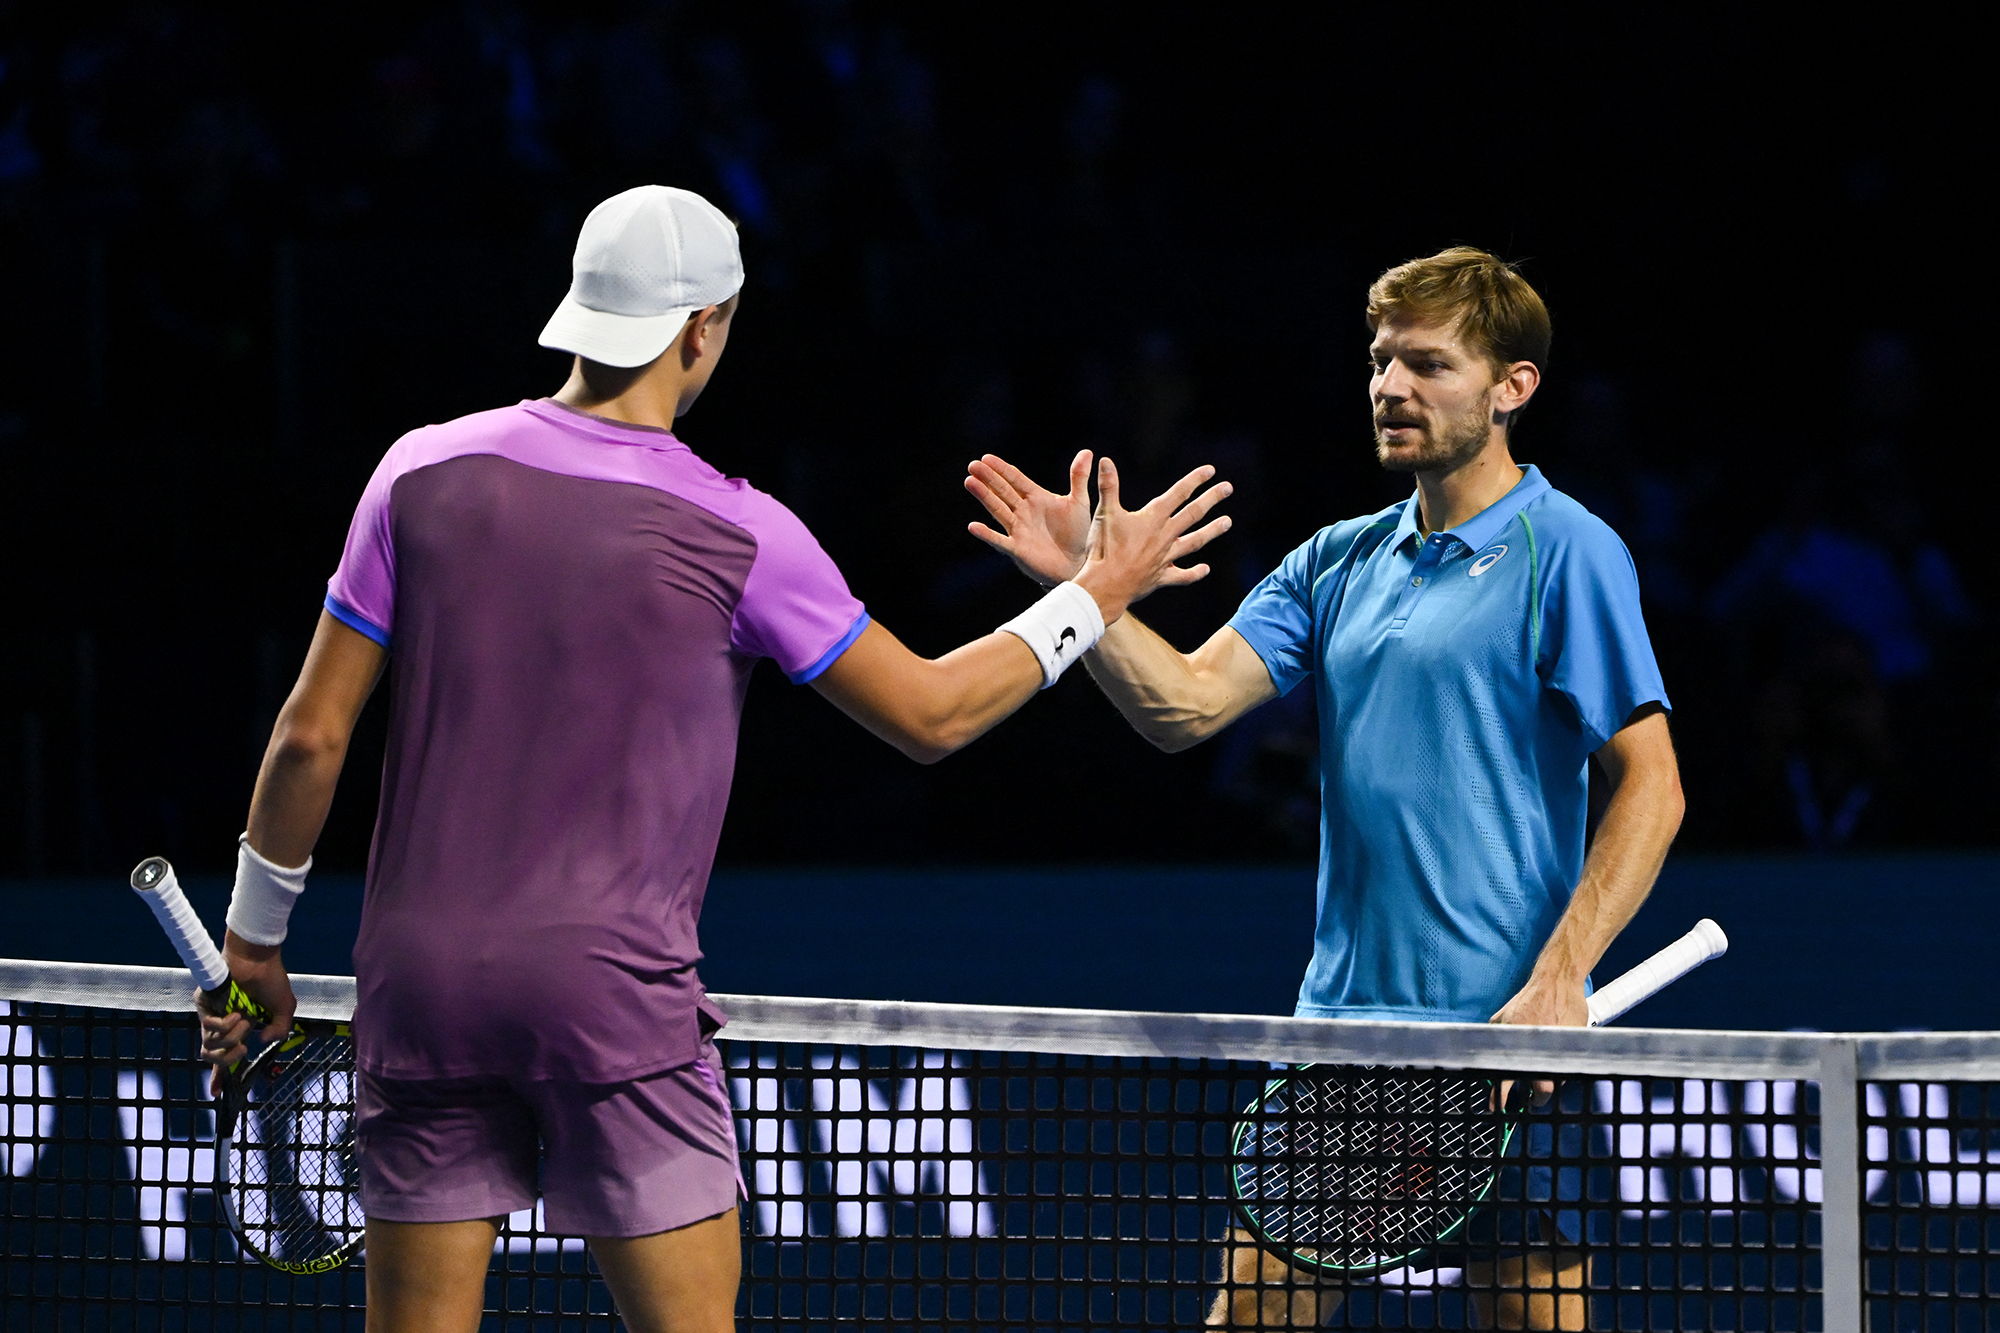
(1107,485)
(1079,476)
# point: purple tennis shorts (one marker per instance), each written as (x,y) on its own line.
(617,1159)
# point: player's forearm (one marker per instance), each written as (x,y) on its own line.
(1631,845)
(957,698)
(928,708)
(1161,691)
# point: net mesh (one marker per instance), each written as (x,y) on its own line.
(948,1186)
(1931,1232)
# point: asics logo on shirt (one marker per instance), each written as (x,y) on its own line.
(1486,562)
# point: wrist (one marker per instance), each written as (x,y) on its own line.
(1060,628)
(1093,579)
(261,905)
(236,947)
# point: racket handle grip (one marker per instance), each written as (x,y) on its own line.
(153,880)
(1669,965)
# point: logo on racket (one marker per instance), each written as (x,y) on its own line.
(1486,562)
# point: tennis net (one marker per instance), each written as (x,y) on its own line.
(964,1167)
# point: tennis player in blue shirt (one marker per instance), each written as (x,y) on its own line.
(1472,647)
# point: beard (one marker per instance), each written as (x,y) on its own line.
(1443,447)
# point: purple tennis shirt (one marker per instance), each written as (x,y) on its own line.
(573,606)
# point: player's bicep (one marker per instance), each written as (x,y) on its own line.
(868,680)
(341,669)
(1643,747)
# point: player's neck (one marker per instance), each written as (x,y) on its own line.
(1447,499)
(646,396)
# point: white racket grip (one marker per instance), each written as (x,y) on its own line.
(1669,965)
(153,880)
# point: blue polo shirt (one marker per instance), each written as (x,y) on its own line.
(1463,681)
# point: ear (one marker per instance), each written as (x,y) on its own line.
(1517,384)
(704,326)
(694,337)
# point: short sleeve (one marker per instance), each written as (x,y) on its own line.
(1276,619)
(1595,649)
(362,592)
(796,609)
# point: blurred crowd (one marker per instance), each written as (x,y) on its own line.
(196,201)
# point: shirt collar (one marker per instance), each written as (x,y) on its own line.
(1485,525)
(603,428)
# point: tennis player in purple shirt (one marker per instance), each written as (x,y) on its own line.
(570,602)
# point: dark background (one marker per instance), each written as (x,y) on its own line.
(243,249)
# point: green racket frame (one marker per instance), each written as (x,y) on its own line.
(1301,1259)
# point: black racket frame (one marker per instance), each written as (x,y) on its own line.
(234,1102)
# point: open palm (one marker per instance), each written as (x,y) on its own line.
(1044,532)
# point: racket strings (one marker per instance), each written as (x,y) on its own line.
(293,1186)
(1361,1167)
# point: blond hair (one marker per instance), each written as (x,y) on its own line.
(1491,302)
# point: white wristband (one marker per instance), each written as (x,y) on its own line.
(262,902)
(1060,628)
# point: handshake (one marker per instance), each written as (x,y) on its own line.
(1117,555)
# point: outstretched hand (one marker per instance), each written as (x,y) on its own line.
(1134,551)
(1045,533)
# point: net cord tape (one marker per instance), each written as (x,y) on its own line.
(784,1018)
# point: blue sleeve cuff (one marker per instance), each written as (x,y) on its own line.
(1284,677)
(355,621)
(831,655)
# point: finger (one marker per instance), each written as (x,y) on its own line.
(1176,577)
(1544,1089)
(1002,513)
(215,1082)
(224,1053)
(1176,495)
(1003,490)
(998,541)
(1014,477)
(1194,541)
(1192,513)
(1206,501)
(1079,476)
(1107,486)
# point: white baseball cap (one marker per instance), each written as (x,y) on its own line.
(645,260)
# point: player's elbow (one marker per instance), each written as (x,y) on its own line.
(924,750)
(1179,728)
(306,742)
(1673,802)
(1173,739)
(927,735)
(942,737)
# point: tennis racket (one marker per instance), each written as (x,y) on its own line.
(1346,1170)
(284,1138)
